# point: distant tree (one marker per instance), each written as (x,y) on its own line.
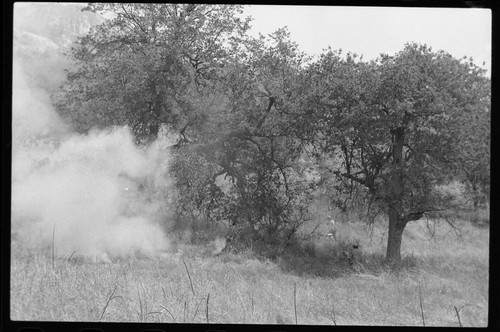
(148,65)
(392,127)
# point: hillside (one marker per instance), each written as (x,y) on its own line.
(43,32)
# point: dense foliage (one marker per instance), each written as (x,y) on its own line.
(147,65)
(249,112)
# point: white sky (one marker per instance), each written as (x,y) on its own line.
(374,30)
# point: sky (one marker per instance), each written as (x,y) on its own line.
(369,31)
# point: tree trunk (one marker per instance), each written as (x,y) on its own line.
(154,119)
(475,196)
(396,228)
(395,199)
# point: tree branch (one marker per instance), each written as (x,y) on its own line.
(263,119)
(412,216)
(133,19)
(352,177)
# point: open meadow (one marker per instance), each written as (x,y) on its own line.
(441,270)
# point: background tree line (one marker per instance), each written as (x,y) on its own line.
(262,127)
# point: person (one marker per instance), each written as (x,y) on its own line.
(333,231)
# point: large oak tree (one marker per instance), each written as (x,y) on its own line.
(392,127)
(148,65)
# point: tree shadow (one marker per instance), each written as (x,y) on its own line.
(344,264)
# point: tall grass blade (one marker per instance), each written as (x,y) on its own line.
(71,256)
(189,276)
(334,315)
(164,308)
(197,306)
(141,314)
(458,316)
(252,306)
(185,311)
(208,297)
(107,302)
(295,300)
(53,252)
(421,304)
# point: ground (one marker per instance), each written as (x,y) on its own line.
(439,272)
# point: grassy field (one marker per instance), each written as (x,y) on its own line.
(441,270)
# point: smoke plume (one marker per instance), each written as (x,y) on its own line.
(96,194)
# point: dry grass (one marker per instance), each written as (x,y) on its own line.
(451,271)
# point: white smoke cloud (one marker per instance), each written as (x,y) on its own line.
(99,193)
(88,189)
